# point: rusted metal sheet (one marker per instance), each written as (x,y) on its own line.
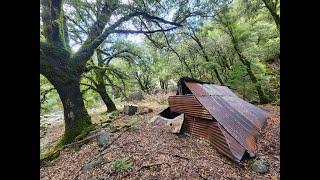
(218,140)
(196,89)
(255,115)
(189,105)
(236,124)
(241,119)
(215,134)
(236,149)
(217,114)
(224,91)
(196,126)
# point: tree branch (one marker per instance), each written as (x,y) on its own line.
(77,24)
(91,79)
(45,93)
(141,31)
(87,49)
(90,86)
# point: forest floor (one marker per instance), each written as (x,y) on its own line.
(155,153)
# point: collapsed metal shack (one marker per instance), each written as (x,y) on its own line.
(230,124)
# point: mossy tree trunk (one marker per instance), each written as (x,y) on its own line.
(101,85)
(63,68)
(98,83)
(262,96)
(106,98)
(65,77)
(272,8)
(76,117)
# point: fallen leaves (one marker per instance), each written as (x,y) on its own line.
(155,153)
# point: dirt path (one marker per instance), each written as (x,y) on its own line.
(159,154)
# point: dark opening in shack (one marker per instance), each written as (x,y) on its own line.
(167,113)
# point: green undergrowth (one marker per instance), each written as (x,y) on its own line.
(121,164)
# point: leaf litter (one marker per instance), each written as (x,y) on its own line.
(152,152)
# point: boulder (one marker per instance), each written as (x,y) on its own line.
(130,110)
(103,138)
(260,166)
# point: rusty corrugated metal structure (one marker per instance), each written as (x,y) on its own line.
(215,113)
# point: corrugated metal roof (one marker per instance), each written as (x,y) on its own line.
(216,113)
(240,119)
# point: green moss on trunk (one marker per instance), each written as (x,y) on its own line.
(81,128)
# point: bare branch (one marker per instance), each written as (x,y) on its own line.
(91,79)
(142,32)
(92,43)
(77,24)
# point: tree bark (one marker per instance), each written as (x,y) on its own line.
(76,117)
(101,85)
(164,85)
(106,98)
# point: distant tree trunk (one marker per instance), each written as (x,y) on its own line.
(76,117)
(144,83)
(206,57)
(263,98)
(164,85)
(272,7)
(106,98)
(218,76)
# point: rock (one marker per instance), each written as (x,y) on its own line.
(260,166)
(103,138)
(91,165)
(130,110)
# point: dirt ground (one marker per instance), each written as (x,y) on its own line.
(156,153)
